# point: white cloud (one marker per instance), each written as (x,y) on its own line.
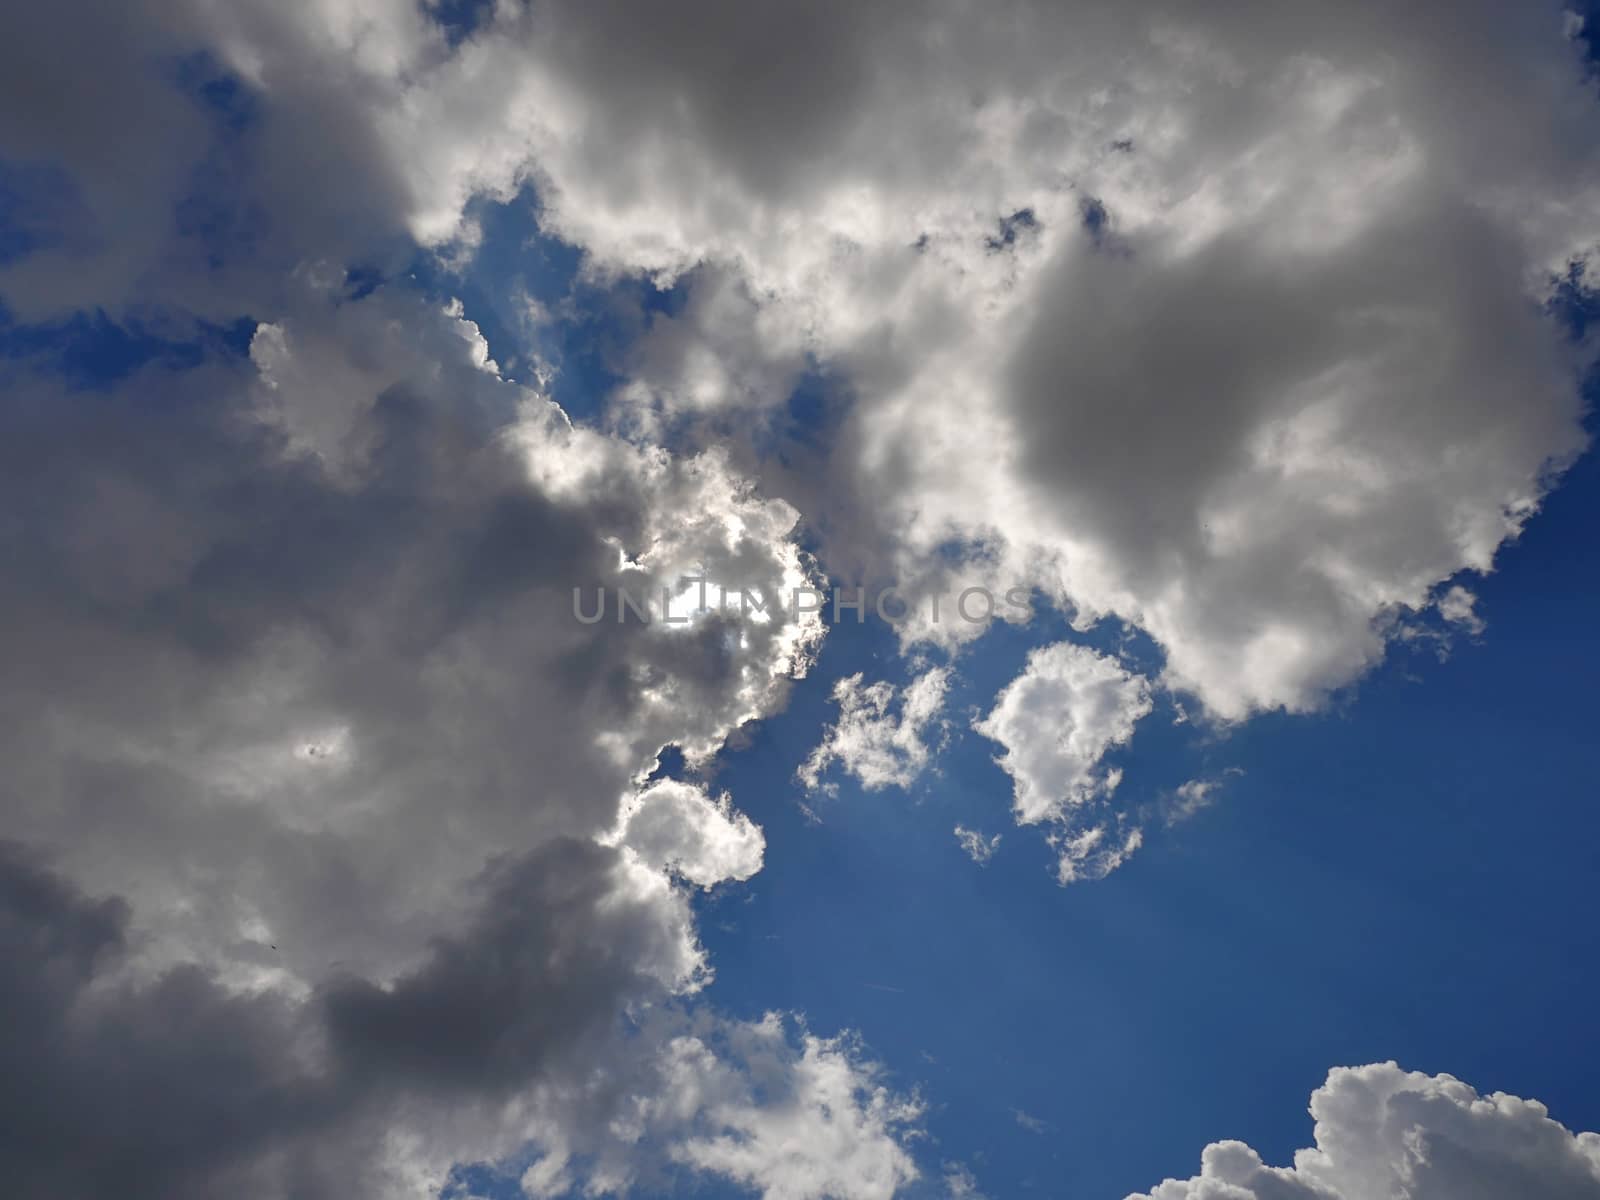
(831,1129)
(788,1117)
(1194,795)
(1458,606)
(960,1183)
(1093,851)
(1384,1132)
(1186,416)
(676,826)
(1029,1122)
(1056,721)
(978,848)
(881,736)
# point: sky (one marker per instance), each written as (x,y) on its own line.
(1200,804)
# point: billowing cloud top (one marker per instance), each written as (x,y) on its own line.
(1381,1131)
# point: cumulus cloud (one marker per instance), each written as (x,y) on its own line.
(778,1110)
(1056,722)
(364,792)
(1161,310)
(881,736)
(1122,297)
(676,826)
(234,587)
(827,1131)
(1381,1131)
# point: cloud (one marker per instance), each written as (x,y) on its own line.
(1192,796)
(362,793)
(960,1183)
(1056,722)
(1178,412)
(230,590)
(880,747)
(1094,851)
(1381,1131)
(1458,607)
(1029,1122)
(1161,312)
(676,826)
(776,1110)
(179,1085)
(1122,297)
(828,1131)
(976,846)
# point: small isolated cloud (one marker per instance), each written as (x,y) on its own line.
(1095,852)
(978,848)
(1057,720)
(1381,1131)
(960,1183)
(881,736)
(1029,1122)
(1190,798)
(1196,794)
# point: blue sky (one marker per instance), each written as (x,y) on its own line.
(337,858)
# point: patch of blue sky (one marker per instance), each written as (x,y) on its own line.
(530,297)
(33,198)
(459,19)
(227,97)
(93,351)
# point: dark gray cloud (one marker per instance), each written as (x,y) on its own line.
(176,1085)
(110,1089)
(543,965)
